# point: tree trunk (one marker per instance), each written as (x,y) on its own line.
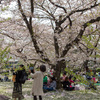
(85,64)
(58,69)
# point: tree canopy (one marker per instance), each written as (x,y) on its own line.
(54,31)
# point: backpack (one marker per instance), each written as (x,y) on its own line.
(23,77)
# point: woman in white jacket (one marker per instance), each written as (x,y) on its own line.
(37,88)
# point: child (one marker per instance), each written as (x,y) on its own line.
(37,89)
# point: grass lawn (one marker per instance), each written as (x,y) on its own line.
(6,89)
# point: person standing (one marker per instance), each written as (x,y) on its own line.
(17,89)
(37,88)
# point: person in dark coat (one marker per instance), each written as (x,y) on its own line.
(17,89)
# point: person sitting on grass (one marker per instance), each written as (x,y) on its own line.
(51,86)
(1,80)
(64,76)
(98,78)
(5,78)
(45,80)
(67,85)
(70,79)
(94,79)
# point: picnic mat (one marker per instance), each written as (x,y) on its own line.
(97,84)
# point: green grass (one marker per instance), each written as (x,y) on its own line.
(6,89)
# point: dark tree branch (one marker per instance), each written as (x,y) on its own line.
(19,50)
(50,14)
(29,26)
(93,33)
(82,50)
(84,45)
(58,6)
(36,60)
(39,60)
(56,46)
(58,25)
(24,17)
(89,51)
(70,21)
(59,29)
(80,10)
(96,1)
(68,24)
(8,36)
(20,56)
(78,38)
(95,45)
(32,10)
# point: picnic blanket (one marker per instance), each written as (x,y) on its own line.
(97,84)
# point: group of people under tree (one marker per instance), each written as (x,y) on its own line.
(43,81)
(67,82)
(5,79)
(37,87)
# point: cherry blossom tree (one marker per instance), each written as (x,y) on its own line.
(66,29)
(53,31)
